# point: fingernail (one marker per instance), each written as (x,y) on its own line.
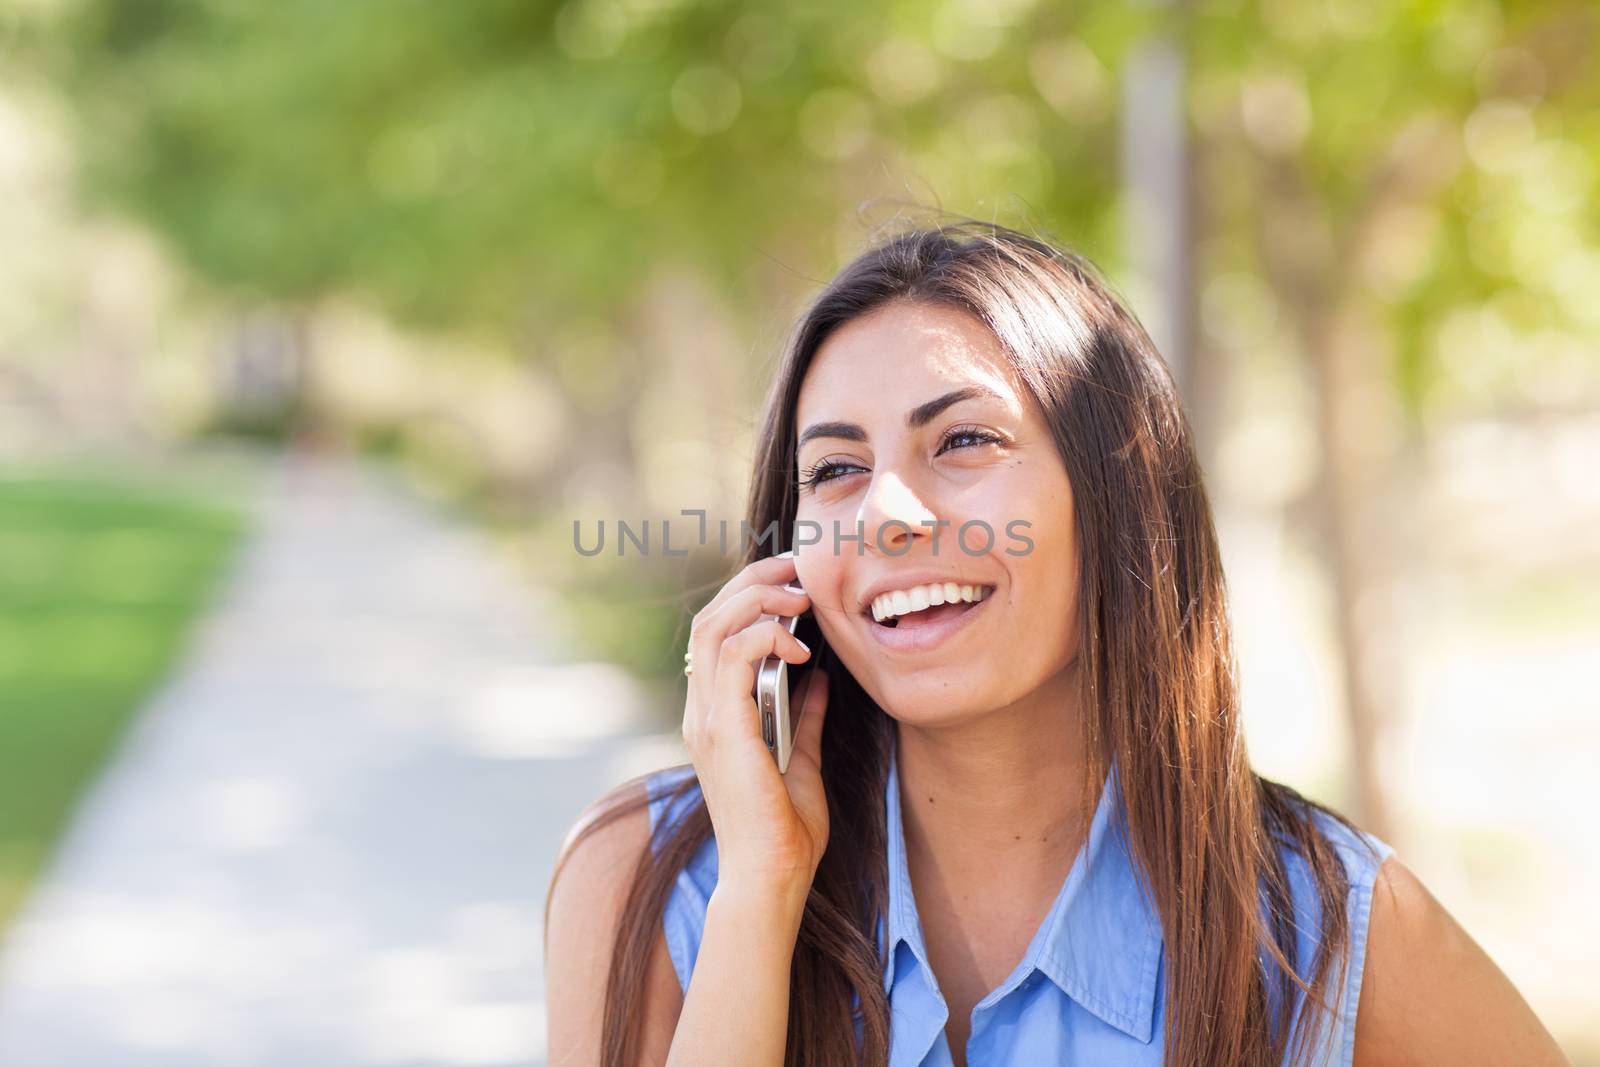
(802,644)
(785,555)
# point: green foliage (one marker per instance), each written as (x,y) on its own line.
(1435,159)
(480,164)
(509,167)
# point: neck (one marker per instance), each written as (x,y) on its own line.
(999,795)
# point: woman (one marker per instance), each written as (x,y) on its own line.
(1019,826)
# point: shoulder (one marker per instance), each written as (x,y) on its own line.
(612,828)
(1417,988)
(1433,995)
(623,821)
(593,875)
(674,794)
(1361,856)
(594,869)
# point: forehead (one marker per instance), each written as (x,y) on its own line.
(899,355)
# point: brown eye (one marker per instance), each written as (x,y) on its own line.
(966,437)
(824,471)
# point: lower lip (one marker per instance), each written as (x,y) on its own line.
(924,637)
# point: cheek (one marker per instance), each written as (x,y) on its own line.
(822,576)
(1052,578)
(1045,574)
(1022,504)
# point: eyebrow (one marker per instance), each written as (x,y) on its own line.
(917,417)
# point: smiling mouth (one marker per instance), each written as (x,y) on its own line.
(926,605)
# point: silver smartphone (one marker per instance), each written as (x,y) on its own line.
(775,677)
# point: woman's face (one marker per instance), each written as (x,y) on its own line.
(915,434)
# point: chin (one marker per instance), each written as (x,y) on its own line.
(933,704)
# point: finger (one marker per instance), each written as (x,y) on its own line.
(707,635)
(744,609)
(748,605)
(735,682)
(770,570)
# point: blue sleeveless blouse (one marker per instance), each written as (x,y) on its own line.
(1089,988)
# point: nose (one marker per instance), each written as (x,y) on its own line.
(893,516)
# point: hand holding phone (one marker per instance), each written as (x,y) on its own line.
(780,718)
(771,829)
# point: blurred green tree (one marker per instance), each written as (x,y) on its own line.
(1395,199)
(488,165)
(1400,196)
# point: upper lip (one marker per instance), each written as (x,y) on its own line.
(908,581)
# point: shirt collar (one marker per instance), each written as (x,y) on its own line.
(1101,941)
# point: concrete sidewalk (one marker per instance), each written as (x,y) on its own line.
(327,839)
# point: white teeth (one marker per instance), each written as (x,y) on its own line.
(889,605)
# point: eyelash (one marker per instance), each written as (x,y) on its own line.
(819,472)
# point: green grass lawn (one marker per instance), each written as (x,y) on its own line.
(99,583)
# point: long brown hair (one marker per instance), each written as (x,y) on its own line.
(1155,661)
